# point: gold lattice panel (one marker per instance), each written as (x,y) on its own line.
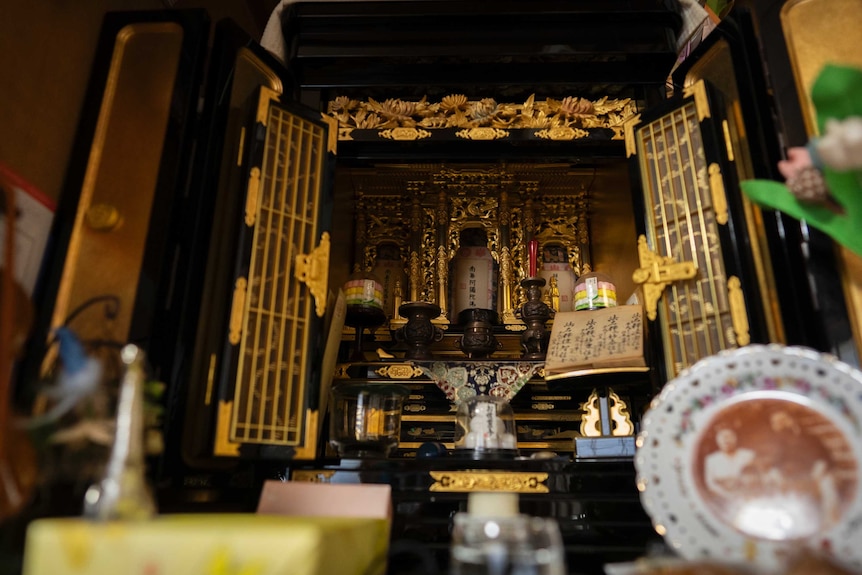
(281,221)
(684,217)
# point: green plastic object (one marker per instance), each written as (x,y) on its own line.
(836,94)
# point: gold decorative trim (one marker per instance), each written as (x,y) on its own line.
(701,102)
(738,312)
(719,197)
(240,146)
(341,371)
(313,270)
(544,406)
(630,125)
(313,475)
(404,134)
(656,272)
(210,379)
(223,445)
(728,142)
(251,196)
(482,134)
(468,481)
(399,371)
(561,134)
(309,448)
(236,310)
(267,96)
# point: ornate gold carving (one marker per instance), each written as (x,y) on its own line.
(237,310)
(223,445)
(341,371)
(701,103)
(738,313)
(457,111)
(399,371)
(656,272)
(562,134)
(543,406)
(251,196)
(617,415)
(478,480)
(313,270)
(482,134)
(414,408)
(404,134)
(313,475)
(719,198)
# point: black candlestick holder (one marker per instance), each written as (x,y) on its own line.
(535,313)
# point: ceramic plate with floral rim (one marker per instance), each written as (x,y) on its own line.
(753,453)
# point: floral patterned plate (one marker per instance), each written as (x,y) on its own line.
(752,454)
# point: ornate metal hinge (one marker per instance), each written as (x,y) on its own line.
(656,272)
(313,270)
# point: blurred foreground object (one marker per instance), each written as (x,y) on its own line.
(837,210)
(123,493)
(17,457)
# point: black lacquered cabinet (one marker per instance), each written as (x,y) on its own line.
(403,128)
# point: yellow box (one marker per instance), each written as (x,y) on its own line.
(208,544)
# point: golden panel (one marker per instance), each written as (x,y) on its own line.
(467,481)
(121,175)
(817,32)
